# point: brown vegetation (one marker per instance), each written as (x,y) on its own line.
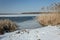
(7,26)
(50,18)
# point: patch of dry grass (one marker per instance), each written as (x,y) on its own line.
(49,19)
(7,26)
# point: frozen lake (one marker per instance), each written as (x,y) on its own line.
(24,22)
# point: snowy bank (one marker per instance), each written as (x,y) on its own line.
(45,33)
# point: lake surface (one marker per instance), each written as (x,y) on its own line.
(24,22)
(19,19)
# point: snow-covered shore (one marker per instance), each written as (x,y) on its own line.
(45,33)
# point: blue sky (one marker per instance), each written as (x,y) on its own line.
(18,6)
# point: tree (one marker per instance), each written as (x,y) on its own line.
(55,7)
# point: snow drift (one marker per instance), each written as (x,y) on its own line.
(45,33)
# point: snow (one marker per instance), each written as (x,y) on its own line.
(30,24)
(44,33)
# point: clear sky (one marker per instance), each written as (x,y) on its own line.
(18,6)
